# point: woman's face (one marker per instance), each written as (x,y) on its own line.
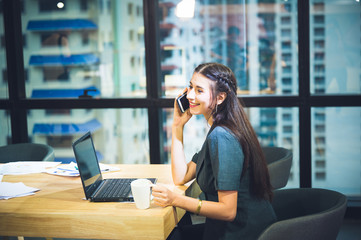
(199,95)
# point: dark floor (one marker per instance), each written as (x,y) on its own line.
(350,230)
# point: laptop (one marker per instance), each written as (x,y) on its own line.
(96,188)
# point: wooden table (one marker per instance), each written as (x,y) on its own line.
(59,210)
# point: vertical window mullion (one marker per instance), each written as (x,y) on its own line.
(153,73)
(304,93)
(15,69)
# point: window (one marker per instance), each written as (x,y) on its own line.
(85,39)
(286,81)
(319,6)
(320,152)
(320,128)
(319,56)
(54,74)
(319,68)
(287,57)
(54,39)
(286,45)
(319,32)
(319,19)
(287,129)
(52,5)
(287,7)
(84,5)
(132,84)
(319,44)
(320,140)
(320,116)
(286,32)
(320,80)
(320,176)
(320,164)
(287,69)
(285,20)
(287,117)
(49,112)
(341,131)
(59,141)
(111,129)
(139,11)
(83,47)
(130,9)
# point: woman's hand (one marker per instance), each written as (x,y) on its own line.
(162,196)
(179,118)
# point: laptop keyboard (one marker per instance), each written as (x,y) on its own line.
(115,188)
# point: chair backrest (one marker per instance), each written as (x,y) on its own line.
(279,162)
(306,213)
(26,152)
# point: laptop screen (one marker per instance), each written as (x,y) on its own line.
(87,161)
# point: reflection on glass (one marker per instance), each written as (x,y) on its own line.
(335,47)
(242,36)
(274,127)
(5,127)
(3,68)
(120,136)
(91,48)
(336,149)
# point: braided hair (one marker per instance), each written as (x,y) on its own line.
(230,114)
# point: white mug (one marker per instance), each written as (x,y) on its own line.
(141,193)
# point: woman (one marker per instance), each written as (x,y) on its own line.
(230,168)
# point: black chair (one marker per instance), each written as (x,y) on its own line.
(26,152)
(279,161)
(306,213)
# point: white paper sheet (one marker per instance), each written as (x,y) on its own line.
(11,190)
(17,168)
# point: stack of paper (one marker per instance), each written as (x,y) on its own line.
(16,168)
(11,190)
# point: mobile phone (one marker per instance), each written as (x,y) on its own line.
(183,102)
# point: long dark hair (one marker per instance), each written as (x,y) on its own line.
(231,114)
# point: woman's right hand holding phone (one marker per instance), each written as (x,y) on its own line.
(179,118)
(178,162)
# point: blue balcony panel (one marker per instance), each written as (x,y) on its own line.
(62,60)
(61,25)
(64,93)
(62,129)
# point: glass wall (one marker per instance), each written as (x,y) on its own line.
(95,50)
(336,149)
(76,48)
(257,40)
(120,135)
(335,47)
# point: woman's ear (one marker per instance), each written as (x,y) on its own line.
(221,97)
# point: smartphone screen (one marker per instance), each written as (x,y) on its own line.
(183,102)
